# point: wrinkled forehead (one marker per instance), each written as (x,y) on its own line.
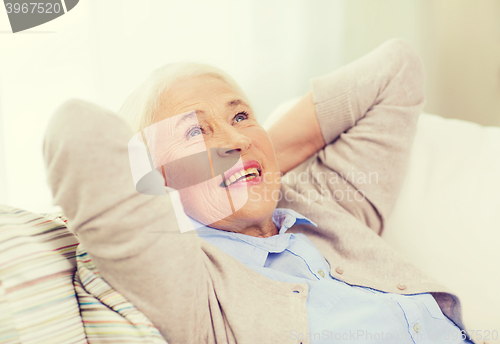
(205,94)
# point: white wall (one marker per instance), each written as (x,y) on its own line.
(101,50)
(460,44)
(38,70)
(458,40)
(3,166)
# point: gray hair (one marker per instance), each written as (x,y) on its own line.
(140,107)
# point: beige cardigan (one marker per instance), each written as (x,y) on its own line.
(195,293)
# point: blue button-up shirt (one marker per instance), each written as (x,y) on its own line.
(336,310)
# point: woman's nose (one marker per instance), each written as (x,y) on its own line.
(232,141)
(226,151)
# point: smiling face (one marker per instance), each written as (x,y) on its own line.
(206,114)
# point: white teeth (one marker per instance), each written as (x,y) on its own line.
(248,174)
(252,170)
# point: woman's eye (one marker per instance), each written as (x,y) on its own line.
(193,132)
(240,117)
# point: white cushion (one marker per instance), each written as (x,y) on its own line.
(447,217)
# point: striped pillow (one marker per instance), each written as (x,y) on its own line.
(108,317)
(38,303)
(45,299)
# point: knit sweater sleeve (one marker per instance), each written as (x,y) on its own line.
(132,238)
(368,112)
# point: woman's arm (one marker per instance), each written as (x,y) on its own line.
(297,134)
(133,239)
(367,113)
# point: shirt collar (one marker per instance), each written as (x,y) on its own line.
(286,218)
(250,249)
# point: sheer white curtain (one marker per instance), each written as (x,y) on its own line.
(101,50)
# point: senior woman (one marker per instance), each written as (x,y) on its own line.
(297,260)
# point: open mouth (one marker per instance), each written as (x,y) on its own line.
(240,176)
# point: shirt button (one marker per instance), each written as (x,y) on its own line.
(321,273)
(416,327)
(401,286)
(339,270)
